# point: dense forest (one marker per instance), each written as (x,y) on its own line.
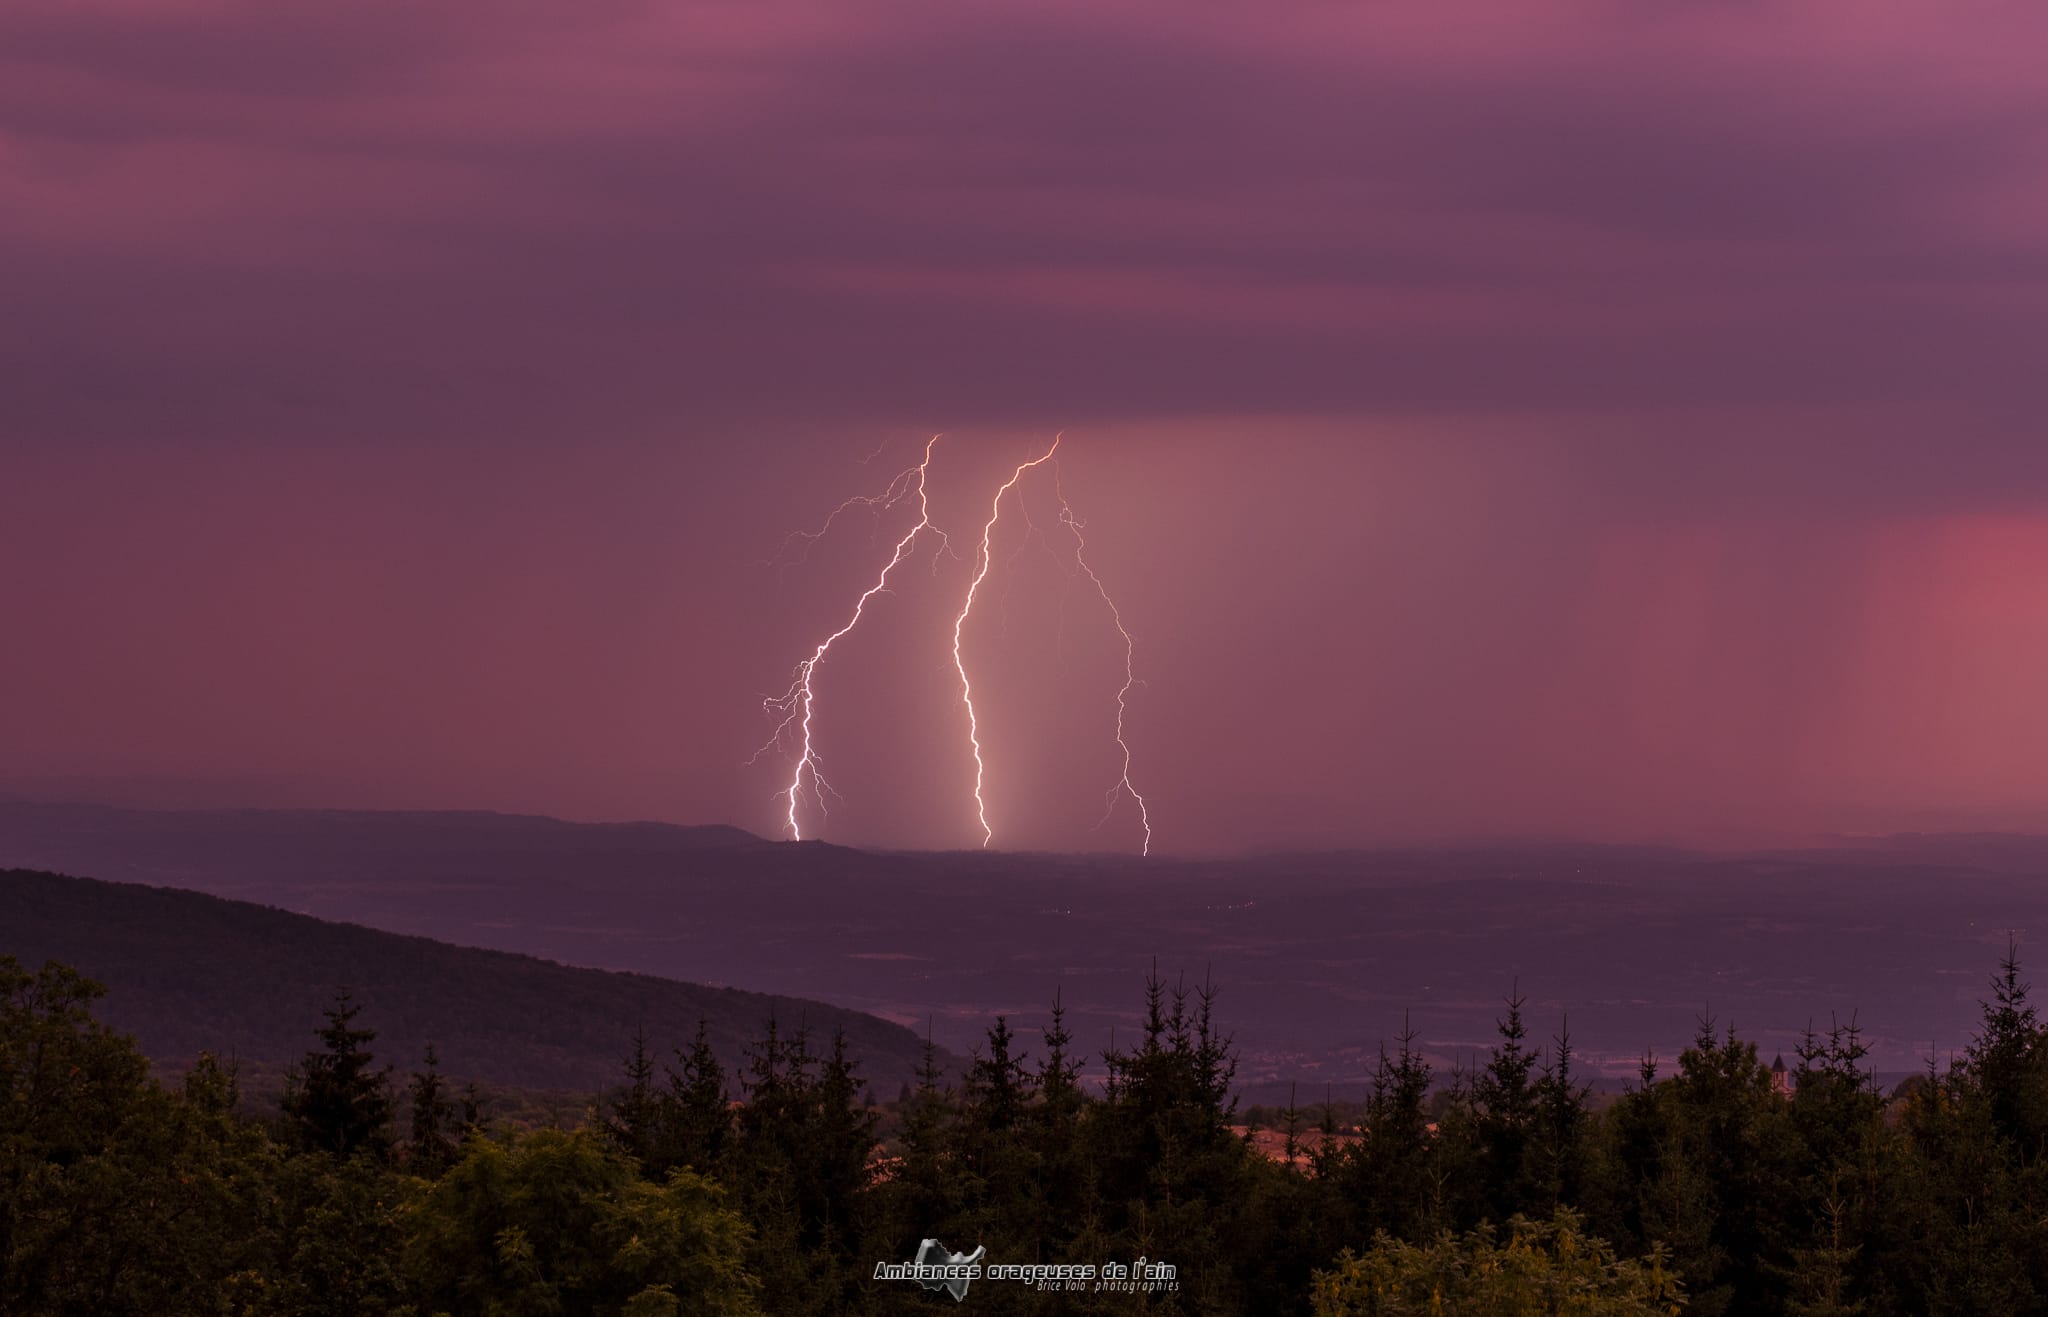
(188,972)
(779,1188)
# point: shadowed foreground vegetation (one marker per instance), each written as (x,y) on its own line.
(777,1189)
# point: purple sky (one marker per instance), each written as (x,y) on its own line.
(1616,421)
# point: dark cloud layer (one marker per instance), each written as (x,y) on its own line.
(1702,344)
(1017,212)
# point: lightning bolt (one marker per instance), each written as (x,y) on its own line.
(908,481)
(981,566)
(796,704)
(1123,784)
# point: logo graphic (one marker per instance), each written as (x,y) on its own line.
(963,1267)
(938,1268)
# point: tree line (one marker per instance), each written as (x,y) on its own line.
(778,1188)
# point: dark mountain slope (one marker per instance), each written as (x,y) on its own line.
(1320,956)
(188,972)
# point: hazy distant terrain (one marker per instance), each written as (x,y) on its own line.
(1318,956)
(187,972)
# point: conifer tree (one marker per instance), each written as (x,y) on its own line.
(1063,1191)
(1387,1175)
(697,1101)
(336,1100)
(998,1085)
(632,1119)
(1505,1115)
(836,1148)
(2007,1060)
(1559,1144)
(435,1131)
(1059,1071)
(1290,1128)
(924,1177)
(1215,1060)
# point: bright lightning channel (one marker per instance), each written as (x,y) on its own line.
(796,704)
(981,566)
(1123,696)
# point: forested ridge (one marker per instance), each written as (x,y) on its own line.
(188,972)
(688,1187)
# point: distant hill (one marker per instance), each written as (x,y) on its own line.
(1319,956)
(188,972)
(105,841)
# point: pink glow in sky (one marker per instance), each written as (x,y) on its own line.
(1587,419)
